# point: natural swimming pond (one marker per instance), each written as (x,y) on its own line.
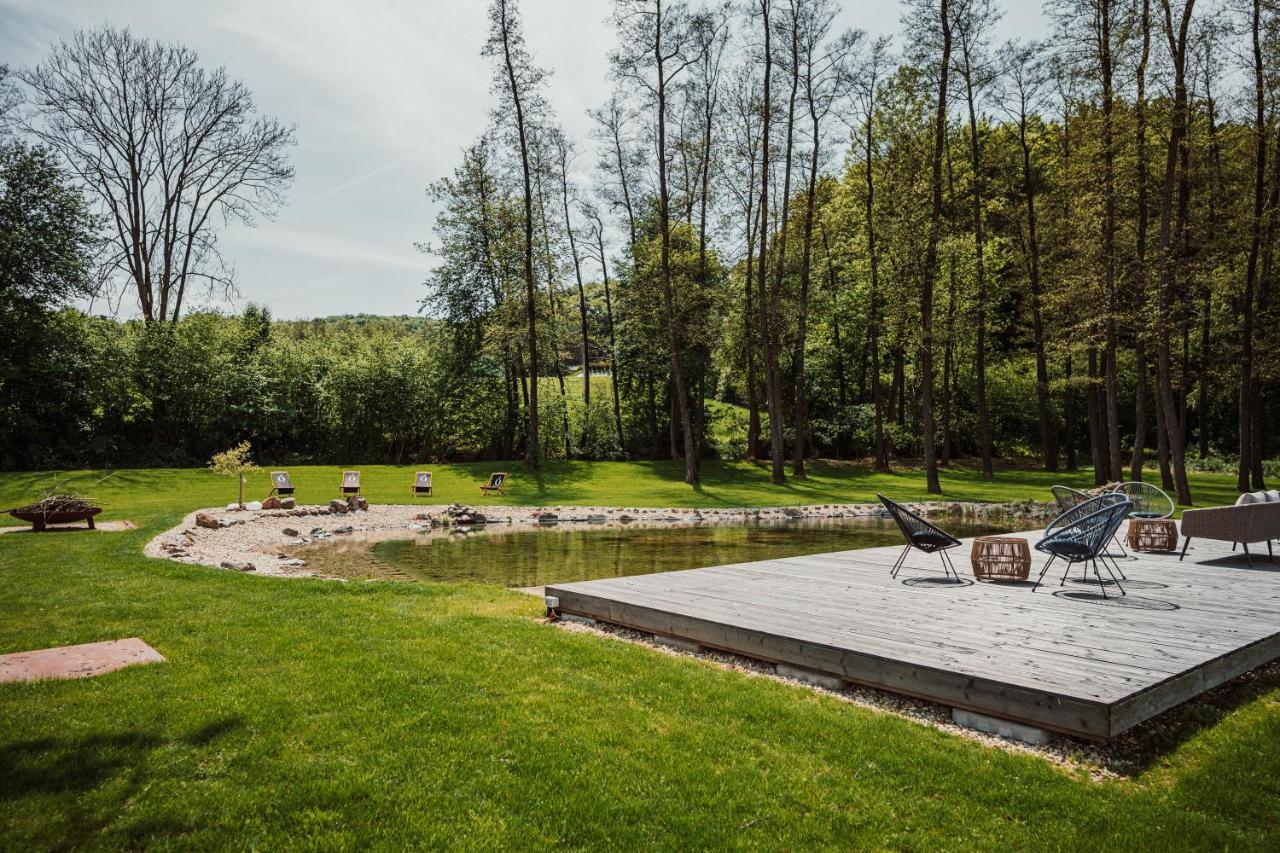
(533,557)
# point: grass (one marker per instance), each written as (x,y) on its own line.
(314,714)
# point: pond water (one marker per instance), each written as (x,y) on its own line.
(533,557)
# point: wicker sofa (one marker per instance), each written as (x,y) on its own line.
(1254,518)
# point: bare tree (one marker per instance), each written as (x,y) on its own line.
(170,150)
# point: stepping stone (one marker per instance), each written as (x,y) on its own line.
(82,661)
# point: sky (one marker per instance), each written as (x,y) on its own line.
(384,94)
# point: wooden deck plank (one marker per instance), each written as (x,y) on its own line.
(1058,657)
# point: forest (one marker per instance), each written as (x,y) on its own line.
(782,241)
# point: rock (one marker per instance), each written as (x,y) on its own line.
(338,506)
(253,506)
(345,529)
(271,502)
(288,503)
(233,507)
(548,518)
(289,531)
(206,520)
(294,562)
(239,567)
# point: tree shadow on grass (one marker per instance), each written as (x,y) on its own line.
(55,765)
(97,775)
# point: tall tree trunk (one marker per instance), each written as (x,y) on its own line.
(774,372)
(1169,248)
(842,386)
(1093,408)
(613,343)
(766,320)
(800,403)
(1106,66)
(880,451)
(1048,441)
(1250,472)
(1140,253)
(674,338)
(932,485)
(1069,415)
(531,305)
(582,298)
(980,273)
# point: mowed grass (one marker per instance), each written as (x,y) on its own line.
(315,714)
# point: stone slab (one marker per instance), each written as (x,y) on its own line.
(82,661)
(1004,728)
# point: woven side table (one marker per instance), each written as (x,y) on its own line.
(1153,534)
(1000,558)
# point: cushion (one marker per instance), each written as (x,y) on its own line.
(1251,498)
(929,539)
(1273,496)
(1068,548)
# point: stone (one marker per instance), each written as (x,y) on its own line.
(288,503)
(1004,728)
(239,567)
(271,502)
(338,506)
(344,529)
(809,676)
(205,520)
(289,531)
(677,643)
(253,506)
(233,507)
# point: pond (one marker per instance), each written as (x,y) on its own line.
(534,557)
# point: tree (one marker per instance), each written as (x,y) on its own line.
(170,150)
(825,73)
(929,273)
(655,49)
(517,82)
(1176,36)
(234,463)
(972,22)
(1022,98)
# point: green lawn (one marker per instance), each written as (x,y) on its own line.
(314,714)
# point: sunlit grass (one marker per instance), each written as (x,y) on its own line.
(302,713)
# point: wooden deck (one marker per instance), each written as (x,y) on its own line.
(1060,658)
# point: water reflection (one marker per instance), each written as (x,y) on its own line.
(521,557)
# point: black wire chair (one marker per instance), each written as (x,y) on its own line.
(1068,498)
(922,536)
(1080,535)
(1148,501)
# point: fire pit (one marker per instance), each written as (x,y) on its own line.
(56,509)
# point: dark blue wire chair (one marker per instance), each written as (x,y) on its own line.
(1068,498)
(922,536)
(1080,535)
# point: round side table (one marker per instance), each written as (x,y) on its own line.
(1000,558)
(1153,534)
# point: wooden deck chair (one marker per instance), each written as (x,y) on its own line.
(281,484)
(496,480)
(422,483)
(350,483)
